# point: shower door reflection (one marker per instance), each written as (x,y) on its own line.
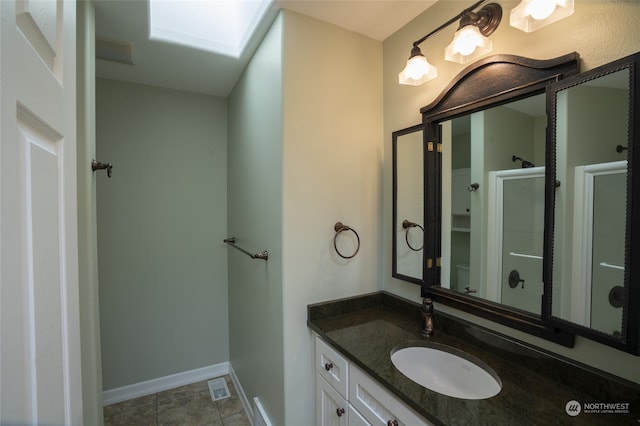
(599,229)
(516,228)
(608,251)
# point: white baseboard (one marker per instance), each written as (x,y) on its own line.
(160,384)
(248,409)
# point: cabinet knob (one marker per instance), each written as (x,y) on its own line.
(392,423)
(328,366)
(473,187)
(339,411)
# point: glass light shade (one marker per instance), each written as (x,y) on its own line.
(468,44)
(417,71)
(530,15)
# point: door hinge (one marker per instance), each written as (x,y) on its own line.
(430,146)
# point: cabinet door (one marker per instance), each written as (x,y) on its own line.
(460,199)
(377,405)
(331,408)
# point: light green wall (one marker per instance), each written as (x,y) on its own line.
(255,219)
(600,31)
(305,152)
(161,221)
(87,231)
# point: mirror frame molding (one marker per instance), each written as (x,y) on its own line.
(489,82)
(630,341)
(394,239)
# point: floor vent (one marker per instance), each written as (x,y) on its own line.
(218,389)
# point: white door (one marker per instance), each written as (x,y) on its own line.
(40,379)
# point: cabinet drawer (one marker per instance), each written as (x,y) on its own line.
(377,405)
(332,366)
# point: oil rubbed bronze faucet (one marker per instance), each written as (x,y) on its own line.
(427,316)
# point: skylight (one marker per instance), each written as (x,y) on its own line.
(220,26)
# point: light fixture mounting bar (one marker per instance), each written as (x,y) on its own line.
(449,22)
(486,19)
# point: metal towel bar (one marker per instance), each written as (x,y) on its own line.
(232,242)
(98,165)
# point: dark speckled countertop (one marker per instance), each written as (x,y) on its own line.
(536,385)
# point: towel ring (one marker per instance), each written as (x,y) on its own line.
(408,225)
(339,227)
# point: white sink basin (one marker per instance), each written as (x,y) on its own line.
(447,371)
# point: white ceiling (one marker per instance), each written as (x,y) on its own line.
(179,67)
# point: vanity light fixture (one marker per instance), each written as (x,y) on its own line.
(531,15)
(471,39)
(418,70)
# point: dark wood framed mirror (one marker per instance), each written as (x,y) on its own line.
(408,205)
(473,261)
(591,260)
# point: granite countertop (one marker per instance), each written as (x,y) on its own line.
(536,385)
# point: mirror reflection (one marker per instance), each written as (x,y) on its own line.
(493,203)
(408,230)
(592,122)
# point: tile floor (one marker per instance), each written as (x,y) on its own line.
(189,405)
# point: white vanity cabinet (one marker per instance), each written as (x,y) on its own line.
(377,405)
(332,375)
(331,407)
(345,395)
(356,419)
